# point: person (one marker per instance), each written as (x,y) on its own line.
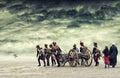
(82,51)
(75,48)
(52,55)
(47,54)
(82,47)
(96,54)
(40,55)
(106,56)
(77,51)
(113,55)
(57,52)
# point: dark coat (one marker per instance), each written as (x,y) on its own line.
(113,55)
(106,52)
(113,51)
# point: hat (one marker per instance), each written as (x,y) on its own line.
(46,45)
(81,43)
(54,42)
(74,45)
(113,43)
(37,46)
(95,44)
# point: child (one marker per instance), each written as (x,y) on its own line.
(106,57)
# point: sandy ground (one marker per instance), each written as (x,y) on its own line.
(22,67)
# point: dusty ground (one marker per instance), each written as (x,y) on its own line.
(27,68)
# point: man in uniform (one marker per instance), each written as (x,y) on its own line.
(40,55)
(47,53)
(96,53)
(57,52)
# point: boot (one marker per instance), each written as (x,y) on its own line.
(39,64)
(48,64)
(58,63)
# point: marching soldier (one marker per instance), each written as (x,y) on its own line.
(47,54)
(57,52)
(96,54)
(40,55)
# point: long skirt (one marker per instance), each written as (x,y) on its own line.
(106,60)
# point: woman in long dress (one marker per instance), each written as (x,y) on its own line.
(106,56)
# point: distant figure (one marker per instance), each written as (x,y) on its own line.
(82,51)
(82,47)
(77,51)
(75,48)
(52,54)
(47,54)
(106,56)
(57,52)
(113,55)
(40,55)
(96,54)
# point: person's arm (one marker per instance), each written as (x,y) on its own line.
(37,54)
(93,51)
(81,49)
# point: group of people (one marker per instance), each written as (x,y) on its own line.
(54,51)
(110,55)
(44,54)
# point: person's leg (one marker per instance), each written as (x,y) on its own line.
(52,60)
(43,58)
(39,64)
(95,60)
(58,62)
(48,64)
(44,63)
(105,66)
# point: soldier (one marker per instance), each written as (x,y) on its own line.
(52,55)
(57,52)
(77,52)
(40,55)
(83,51)
(96,54)
(75,48)
(81,46)
(47,54)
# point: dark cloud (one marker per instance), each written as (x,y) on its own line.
(61,0)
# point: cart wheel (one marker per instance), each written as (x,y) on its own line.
(88,62)
(72,58)
(73,63)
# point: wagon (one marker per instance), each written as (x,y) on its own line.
(73,58)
